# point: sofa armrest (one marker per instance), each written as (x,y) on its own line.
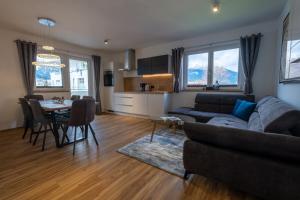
(264,144)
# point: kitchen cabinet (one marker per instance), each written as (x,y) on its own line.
(144,66)
(154,65)
(145,104)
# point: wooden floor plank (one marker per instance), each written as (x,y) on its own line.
(95,172)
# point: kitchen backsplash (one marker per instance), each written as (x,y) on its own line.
(160,83)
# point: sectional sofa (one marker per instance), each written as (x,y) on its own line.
(260,156)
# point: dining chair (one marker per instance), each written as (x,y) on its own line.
(87,97)
(28,118)
(40,117)
(75,97)
(90,117)
(34,96)
(81,116)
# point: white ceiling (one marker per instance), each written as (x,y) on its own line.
(133,23)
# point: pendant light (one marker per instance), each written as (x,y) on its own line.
(46,57)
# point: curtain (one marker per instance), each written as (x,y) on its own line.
(27,54)
(97,68)
(249,53)
(177,55)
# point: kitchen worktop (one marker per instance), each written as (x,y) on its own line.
(145,92)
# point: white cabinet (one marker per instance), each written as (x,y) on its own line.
(146,104)
(157,104)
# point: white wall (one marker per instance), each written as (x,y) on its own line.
(11,82)
(289,93)
(263,79)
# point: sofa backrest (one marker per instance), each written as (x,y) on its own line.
(219,103)
(277,116)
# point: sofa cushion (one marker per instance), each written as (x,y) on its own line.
(181,111)
(254,123)
(228,121)
(218,103)
(284,147)
(244,109)
(277,116)
(205,116)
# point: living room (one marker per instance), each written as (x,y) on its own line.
(156,100)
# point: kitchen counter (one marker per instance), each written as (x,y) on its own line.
(146,92)
(149,103)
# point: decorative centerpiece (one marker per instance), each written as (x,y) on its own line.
(58,100)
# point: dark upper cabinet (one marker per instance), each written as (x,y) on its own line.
(144,66)
(154,65)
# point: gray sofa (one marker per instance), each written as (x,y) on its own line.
(260,157)
(210,105)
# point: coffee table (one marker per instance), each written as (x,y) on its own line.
(170,122)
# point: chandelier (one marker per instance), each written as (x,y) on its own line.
(46,57)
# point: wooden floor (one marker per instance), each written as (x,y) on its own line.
(95,173)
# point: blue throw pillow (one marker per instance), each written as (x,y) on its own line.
(244,110)
(236,106)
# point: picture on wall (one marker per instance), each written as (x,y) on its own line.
(290,54)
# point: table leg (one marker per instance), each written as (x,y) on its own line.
(153,130)
(55,129)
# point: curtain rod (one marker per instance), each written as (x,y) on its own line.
(215,43)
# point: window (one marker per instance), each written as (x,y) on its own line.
(215,64)
(197,69)
(79,77)
(48,77)
(226,67)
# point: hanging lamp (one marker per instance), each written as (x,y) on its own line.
(46,57)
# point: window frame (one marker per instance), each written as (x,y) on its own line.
(65,58)
(62,88)
(210,50)
(91,88)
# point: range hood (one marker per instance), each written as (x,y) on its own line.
(129,62)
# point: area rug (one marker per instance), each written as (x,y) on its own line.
(164,152)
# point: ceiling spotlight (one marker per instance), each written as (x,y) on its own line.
(106,42)
(216,6)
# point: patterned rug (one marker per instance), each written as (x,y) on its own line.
(164,152)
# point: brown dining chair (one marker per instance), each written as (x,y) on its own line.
(34,96)
(28,118)
(87,97)
(81,116)
(40,117)
(75,97)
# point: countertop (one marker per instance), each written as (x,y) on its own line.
(146,92)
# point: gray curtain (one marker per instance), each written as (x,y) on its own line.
(27,54)
(177,55)
(249,53)
(97,68)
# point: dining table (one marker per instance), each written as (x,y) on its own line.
(52,107)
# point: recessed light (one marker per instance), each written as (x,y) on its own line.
(106,42)
(216,6)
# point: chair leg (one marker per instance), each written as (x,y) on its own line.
(44,140)
(65,130)
(93,133)
(25,131)
(31,134)
(38,133)
(82,131)
(86,130)
(74,144)
(186,175)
